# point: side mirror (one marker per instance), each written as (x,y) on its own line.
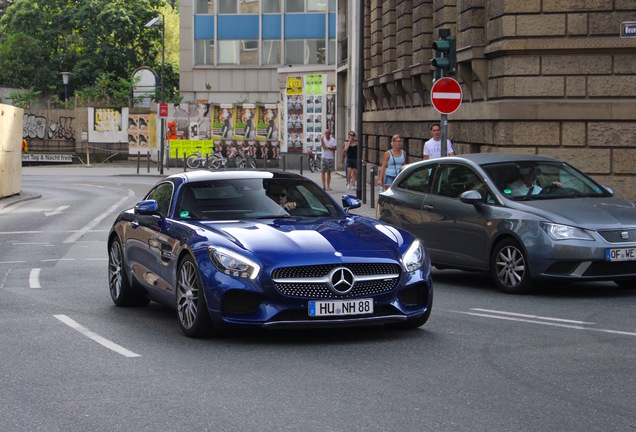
(149,207)
(609,189)
(471,197)
(350,202)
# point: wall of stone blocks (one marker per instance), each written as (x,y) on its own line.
(542,77)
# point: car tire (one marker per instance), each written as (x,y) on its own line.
(629,283)
(510,269)
(192,309)
(122,291)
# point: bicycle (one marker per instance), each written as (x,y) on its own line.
(314,160)
(196,160)
(243,159)
(217,161)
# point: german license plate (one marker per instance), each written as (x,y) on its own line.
(340,307)
(620,254)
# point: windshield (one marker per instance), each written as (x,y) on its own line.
(253,199)
(529,180)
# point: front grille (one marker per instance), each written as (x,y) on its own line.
(322,270)
(380,281)
(615,236)
(602,268)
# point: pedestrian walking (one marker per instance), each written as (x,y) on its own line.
(350,153)
(328,155)
(392,162)
(433,147)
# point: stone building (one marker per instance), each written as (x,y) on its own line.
(549,77)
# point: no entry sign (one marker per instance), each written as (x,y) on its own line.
(446,95)
(163,110)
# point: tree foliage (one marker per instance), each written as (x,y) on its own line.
(92,39)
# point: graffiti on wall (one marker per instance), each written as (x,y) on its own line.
(107,119)
(35,127)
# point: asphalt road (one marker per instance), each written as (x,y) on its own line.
(562,359)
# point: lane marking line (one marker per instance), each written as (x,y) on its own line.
(531,316)
(73,238)
(552,324)
(96,338)
(12,262)
(34,278)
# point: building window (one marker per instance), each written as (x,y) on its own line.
(249,52)
(316,5)
(332,52)
(294,52)
(271,6)
(271,52)
(332,6)
(204,7)
(294,6)
(228,52)
(250,6)
(315,53)
(238,52)
(227,7)
(204,52)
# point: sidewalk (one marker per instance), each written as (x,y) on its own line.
(129,168)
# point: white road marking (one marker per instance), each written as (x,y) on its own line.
(57,211)
(12,262)
(31,244)
(34,278)
(95,337)
(78,235)
(532,316)
(547,323)
(6,276)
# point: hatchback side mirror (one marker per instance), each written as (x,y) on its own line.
(471,197)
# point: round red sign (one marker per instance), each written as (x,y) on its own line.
(446,95)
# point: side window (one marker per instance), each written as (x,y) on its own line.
(163,195)
(457,179)
(419,180)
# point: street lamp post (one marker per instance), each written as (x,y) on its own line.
(65,82)
(159,22)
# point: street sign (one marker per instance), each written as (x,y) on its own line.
(628,29)
(446,95)
(163,110)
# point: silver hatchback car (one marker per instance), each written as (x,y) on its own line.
(521,217)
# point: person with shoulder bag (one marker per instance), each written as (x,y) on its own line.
(392,162)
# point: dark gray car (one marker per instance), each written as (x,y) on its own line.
(521,217)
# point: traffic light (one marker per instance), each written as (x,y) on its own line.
(445,61)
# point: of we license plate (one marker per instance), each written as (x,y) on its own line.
(340,307)
(620,254)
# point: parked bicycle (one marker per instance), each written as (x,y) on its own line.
(314,160)
(197,160)
(243,159)
(217,161)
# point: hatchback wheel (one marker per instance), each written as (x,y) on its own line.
(191,306)
(509,267)
(121,291)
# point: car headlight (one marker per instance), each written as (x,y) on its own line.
(565,232)
(414,258)
(232,263)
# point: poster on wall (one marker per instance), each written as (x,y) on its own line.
(313,109)
(223,124)
(295,116)
(245,125)
(267,125)
(138,133)
(330,111)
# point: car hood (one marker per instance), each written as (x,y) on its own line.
(293,239)
(591,213)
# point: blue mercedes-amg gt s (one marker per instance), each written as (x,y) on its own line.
(265,249)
